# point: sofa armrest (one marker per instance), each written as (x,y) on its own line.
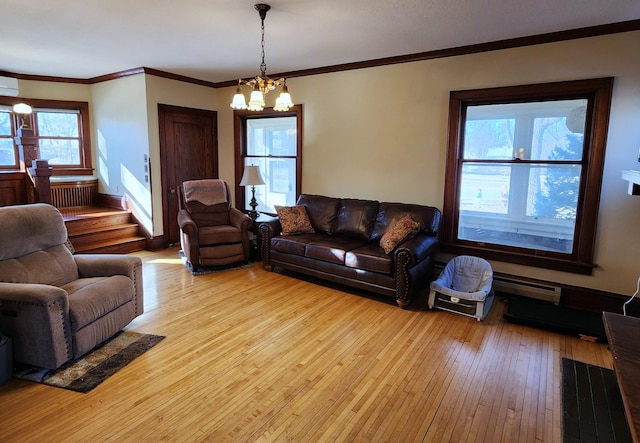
(36,317)
(419,247)
(268,230)
(413,260)
(106,265)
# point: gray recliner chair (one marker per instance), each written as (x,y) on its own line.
(56,306)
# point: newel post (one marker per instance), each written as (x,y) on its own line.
(37,171)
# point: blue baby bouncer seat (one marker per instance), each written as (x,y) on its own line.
(465,286)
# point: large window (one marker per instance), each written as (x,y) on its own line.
(524,172)
(61,129)
(273,142)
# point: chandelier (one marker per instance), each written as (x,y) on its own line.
(261,84)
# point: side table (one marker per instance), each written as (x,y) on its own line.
(257,239)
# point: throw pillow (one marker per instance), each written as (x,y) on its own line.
(401,230)
(294,220)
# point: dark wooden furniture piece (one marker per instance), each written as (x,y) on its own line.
(622,334)
(257,240)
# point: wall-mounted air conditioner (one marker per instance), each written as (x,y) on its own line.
(9,86)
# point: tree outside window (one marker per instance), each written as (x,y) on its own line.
(521,163)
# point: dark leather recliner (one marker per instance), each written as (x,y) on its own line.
(212,232)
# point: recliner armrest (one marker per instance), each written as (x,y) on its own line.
(239,219)
(32,293)
(36,317)
(107,265)
(187,224)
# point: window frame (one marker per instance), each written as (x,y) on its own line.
(598,92)
(84,132)
(240,118)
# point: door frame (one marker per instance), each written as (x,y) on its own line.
(163,111)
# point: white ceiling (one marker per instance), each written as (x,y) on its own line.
(219,40)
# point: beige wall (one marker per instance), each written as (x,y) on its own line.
(170,92)
(382,133)
(120,142)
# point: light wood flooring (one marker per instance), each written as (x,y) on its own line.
(252,355)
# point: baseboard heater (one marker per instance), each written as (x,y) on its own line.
(524,288)
(514,286)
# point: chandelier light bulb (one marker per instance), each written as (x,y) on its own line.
(239,101)
(283,102)
(256,102)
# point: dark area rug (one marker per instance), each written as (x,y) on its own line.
(592,408)
(212,269)
(87,372)
(545,315)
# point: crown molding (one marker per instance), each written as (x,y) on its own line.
(571,34)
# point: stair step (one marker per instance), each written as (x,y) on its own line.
(92,223)
(131,229)
(94,229)
(116,246)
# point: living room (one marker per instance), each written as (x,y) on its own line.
(378,132)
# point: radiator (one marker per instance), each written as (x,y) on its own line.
(67,192)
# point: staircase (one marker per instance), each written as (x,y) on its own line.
(94,229)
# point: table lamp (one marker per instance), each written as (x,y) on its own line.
(252,177)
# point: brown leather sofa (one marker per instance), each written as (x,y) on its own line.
(345,247)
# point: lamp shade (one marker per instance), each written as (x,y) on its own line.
(239,101)
(251,176)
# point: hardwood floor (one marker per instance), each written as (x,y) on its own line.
(251,355)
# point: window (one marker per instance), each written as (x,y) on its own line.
(524,171)
(7,151)
(61,129)
(273,142)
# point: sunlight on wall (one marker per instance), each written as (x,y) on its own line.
(103,169)
(139,198)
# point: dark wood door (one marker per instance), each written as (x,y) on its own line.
(188,151)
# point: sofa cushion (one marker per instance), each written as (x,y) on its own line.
(332,249)
(92,298)
(294,220)
(369,258)
(400,231)
(389,213)
(293,244)
(356,218)
(322,211)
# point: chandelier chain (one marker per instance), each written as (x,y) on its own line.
(263,65)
